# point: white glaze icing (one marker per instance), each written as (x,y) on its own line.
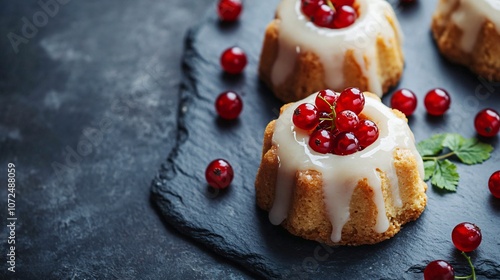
(297,34)
(341,174)
(469,16)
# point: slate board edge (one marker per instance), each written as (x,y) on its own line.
(168,171)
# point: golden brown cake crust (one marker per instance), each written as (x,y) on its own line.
(484,60)
(308,218)
(308,75)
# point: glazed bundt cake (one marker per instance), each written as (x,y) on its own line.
(363,197)
(468,32)
(298,57)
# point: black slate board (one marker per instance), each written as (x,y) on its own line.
(230,223)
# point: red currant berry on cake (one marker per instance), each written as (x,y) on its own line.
(325,100)
(487,123)
(321,141)
(366,132)
(346,121)
(233,60)
(351,99)
(228,105)
(494,184)
(439,270)
(306,116)
(437,102)
(309,7)
(405,101)
(229,10)
(466,237)
(344,17)
(219,174)
(323,17)
(339,3)
(345,143)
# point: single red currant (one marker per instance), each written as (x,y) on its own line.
(344,17)
(323,17)
(345,143)
(346,121)
(306,116)
(351,99)
(321,141)
(437,101)
(494,184)
(466,237)
(439,270)
(366,132)
(405,101)
(309,7)
(219,174)
(233,60)
(325,100)
(228,105)
(229,10)
(340,3)
(487,122)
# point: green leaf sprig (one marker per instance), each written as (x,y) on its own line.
(437,150)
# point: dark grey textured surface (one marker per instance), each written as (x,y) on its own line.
(230,223)
(114,63)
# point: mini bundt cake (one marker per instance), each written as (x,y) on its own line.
(468,32)
(360,198)
(298,57)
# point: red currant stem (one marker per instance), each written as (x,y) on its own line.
(329,3)
(473,275)
(439,157)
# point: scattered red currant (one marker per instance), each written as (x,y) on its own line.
(494,184)
(228,105)
(344,17)
(229,10)
(321,141)
(306,116)
(345,144)
(219,174)
(405,101)
(366,132)
(323,17)
(439,270)
(487,122)
(466,237)
(233,60)
(325,100)
(351,99)
(437,102)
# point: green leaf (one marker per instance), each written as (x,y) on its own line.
(453,141)
(472,151)
(445,176)
(431,146)
(429,167)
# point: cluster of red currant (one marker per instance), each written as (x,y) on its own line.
(333,14)
(228,105)
(437,101)
(334,124)
(466,237)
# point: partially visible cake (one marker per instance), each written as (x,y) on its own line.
(468,32)
(361,198)
(299,57)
